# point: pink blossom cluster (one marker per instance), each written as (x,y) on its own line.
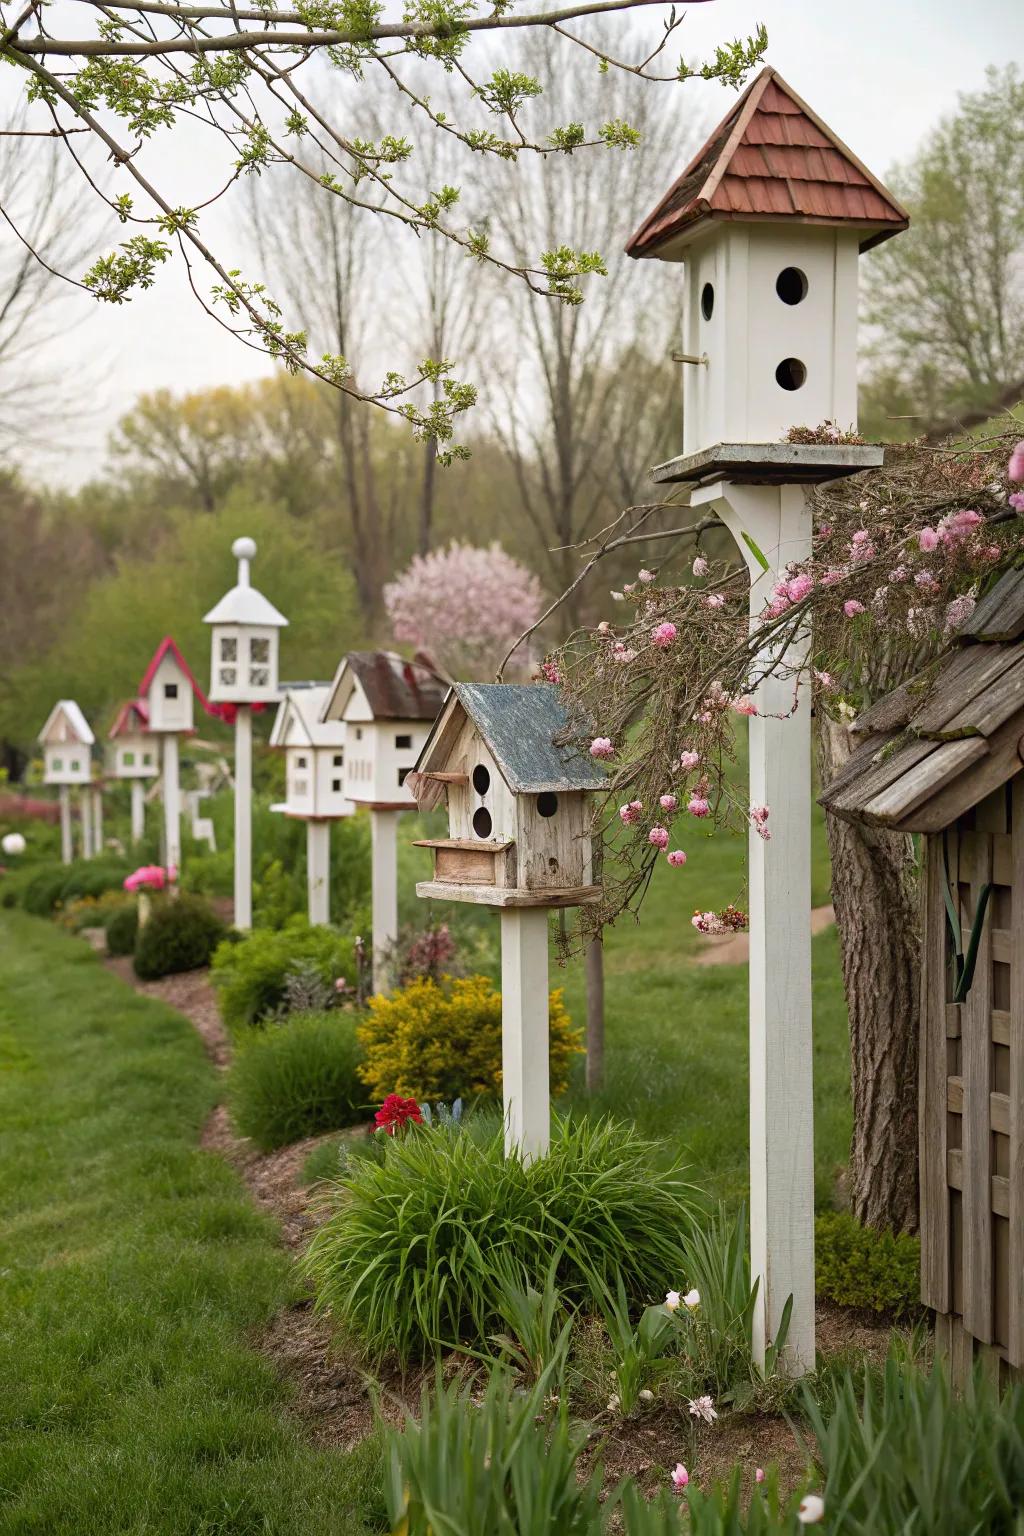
(730,920)
(759,821)
(601,747)
(150,877)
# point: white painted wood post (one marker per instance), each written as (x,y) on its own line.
(171,789)
(243,817)
(85,819)
(778,519)
(97,819)
(384,874)
(318,870)
(67,849)
(525,1085)
(138,810)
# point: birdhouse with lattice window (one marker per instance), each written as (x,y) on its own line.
(67,741)
(245,629)
(133,751)
(168,690)
(516,788)
(768,220)
(387,705)
(314,754)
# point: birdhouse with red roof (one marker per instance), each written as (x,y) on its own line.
(769,220)
(168,690)
(133,753)
(388,705)
(245,632)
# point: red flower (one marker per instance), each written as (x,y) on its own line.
(396,1112)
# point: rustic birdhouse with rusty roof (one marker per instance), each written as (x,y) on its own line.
(769,219)
(943,757)
(517,798)
(388,705)
(132,751)
(67,741)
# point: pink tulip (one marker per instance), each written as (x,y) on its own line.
(680,1477)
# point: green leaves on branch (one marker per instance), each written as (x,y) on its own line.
(439,202)
(256,150)
(445,20)
(113,277)
(506,91)
(564,266)
(370,156)
(619,135)
(568,138)
(733,61)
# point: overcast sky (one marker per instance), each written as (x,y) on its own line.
(881,73)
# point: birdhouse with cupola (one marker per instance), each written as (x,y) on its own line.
(314,754)
(516,790)
(768,220)
(132,751)
(245,633)
(67,741)
(168,691)
(387,705)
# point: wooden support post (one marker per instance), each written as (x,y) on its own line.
(243,817)
(384,854)
(138,810)
(318,870)
(67,850)
(171,789)
(778,520)
(97,820)
(524,1030)
(85,819)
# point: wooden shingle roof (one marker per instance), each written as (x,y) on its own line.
(773,158)
(938,744)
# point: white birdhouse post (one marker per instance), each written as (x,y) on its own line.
(67,741)
(167,695)
(132,757)
(314,781)
(519,840)
(769,219)
(387,705)
(243,675)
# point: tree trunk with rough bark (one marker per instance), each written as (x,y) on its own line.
(875,895)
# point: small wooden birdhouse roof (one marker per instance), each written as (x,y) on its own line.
(522,726)
(132,719)
(937,745)
(298,722)
(395,689)
(772,158)
(66,723)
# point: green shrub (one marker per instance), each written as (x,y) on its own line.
(443,1040)
(297,1078)
(51,886)
(405,1259)
(856,1266)
(251,974)
(181,935)
(122,929)
(42,893)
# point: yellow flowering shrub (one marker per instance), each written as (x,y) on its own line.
(442,1040)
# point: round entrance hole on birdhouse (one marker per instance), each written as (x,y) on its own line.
(547,803)
(482,822)
(791,373)
(481,781)
(707,301)
(791,285)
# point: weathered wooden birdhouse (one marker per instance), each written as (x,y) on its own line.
(314,753)
(133,752)
(768,219)
(518,816)
(168,690)
(67,741)
(943,757)
(245,635)
(387,705)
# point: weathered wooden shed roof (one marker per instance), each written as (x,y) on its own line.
(937,745)
(395,689)
(519,724)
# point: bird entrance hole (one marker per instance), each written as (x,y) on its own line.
(791,285)
(547,804)
(791,373)
(481,779)
(482,822)
(707,301)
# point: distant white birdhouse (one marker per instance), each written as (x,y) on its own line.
(245,625)
(67,741)
(314,754)
(168,690)
(769,219)
(517,797)
(133,751)
(387,705)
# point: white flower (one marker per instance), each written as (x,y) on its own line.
(703,1408)
(812,1509)
(692,1300)
(14,843)
(672,1300)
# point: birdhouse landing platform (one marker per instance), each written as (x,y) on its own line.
(769,463)
(486,873)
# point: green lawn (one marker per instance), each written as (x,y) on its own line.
(134,1273)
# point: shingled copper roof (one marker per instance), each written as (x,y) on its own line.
(940,743)
(773,158)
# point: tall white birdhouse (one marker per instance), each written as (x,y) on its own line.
(769,220)
(314,754)
(133,752)
(67,741)
(387,705)
(168,690)
(517,797)
(245,625)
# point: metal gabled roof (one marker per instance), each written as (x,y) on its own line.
(523,726)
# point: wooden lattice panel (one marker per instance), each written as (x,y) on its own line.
(972,1088)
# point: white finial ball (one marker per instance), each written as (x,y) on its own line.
(244,549)
(13,843)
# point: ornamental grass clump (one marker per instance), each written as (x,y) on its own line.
(296,1079)
(411,1258)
